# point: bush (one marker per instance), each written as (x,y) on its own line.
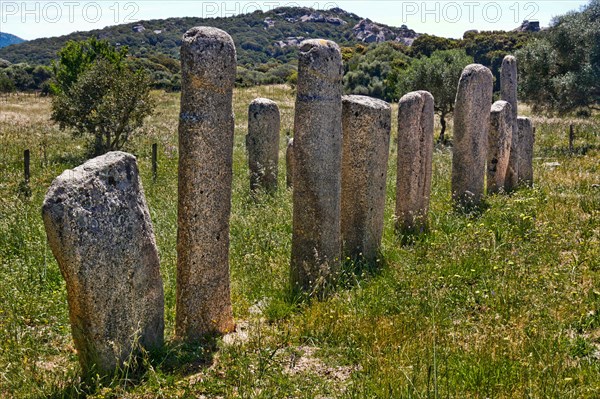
(374,72)
(6,84)
(439,75)
(103,98)
(560,72)
(76,57)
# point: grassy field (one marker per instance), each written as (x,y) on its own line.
(503,304)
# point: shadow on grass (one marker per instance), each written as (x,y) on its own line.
(565,151)
(353,271)
(174,358)
(185,359)
(358,269)
(410,233)
(71,160)
(474,211)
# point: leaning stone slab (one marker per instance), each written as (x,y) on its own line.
(415,157)
(499,142)
(100,232)
(316,241)
(508,93)
(526,141)
(471,126)
(289,163)
(206,124)
(262,144)
(366,143)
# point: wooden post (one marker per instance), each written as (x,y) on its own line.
(154,161)
(571,137)
(26,161)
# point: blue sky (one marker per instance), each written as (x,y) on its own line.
(34,19)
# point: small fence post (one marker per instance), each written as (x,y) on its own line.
(154,161)
(571,138)
(26,162)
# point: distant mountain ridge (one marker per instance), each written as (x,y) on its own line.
(260,37)
(6,39)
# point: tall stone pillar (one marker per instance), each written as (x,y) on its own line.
(526,141)
(415,158)
(366,144)
(316,241)
(208,65)
(262,144)
(508,93)
(499,141)
(471,126)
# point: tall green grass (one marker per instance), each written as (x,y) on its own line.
(503,304)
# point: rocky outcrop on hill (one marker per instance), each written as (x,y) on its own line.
(368,31)
(269,23)
(365,31)
(315,17)
(529,26)
(318,17)
(290,41)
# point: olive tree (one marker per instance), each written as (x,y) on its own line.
(98,94)
(560,71)
(438,74)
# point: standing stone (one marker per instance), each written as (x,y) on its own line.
(316,241)
(508,93)
(262,143)
(499,140)
(206,124)
(100,232)
(289,163)
(366,126)
(526,140)
(471,126)
(415,157)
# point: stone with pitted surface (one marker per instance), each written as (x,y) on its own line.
(316,242)
(100,232)
(208,64)
(415,157)
(499,143)
(471,126)
(262,144)
(366,142)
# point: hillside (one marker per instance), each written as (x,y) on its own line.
(6,39)
(374,54)
(260,37)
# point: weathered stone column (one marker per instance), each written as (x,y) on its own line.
(526,141)
(415,157)
(208,65)
(471,126)
(366,126)
(262,143)
(508,93)
(316,242)
(499,141)
(100,232)
(289,163)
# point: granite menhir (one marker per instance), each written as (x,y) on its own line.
(316,237)
(100,232)
(208,67)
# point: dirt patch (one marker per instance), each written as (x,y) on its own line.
(303,360)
